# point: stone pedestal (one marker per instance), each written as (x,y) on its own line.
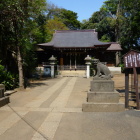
(3,99)
(102,98)
(102,85)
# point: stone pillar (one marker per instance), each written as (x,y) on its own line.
(88,59)
(117,58)
(52,60)
(88,71)
(52,71)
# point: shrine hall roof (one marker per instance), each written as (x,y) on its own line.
(114,47)
(75,39)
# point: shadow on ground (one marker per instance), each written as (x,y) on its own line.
(121,90)
(32,85)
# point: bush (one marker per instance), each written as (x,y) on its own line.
(9,80)
(122,67)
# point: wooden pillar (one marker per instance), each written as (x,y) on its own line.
(75,63)
(136,87)
(61,58)
(126,88)
(61,61)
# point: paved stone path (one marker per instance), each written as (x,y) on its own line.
(51,110)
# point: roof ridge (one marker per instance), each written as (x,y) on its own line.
(65,31)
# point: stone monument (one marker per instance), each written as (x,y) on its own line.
(102,97)
(3,99)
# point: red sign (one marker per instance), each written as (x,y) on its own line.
(132,59)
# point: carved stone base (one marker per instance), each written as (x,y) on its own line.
(102,98)
(102,85)
(102,107)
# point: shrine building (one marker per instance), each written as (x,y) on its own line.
(70,47)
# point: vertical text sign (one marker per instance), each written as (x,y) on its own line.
(132,59)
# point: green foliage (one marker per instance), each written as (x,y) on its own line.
(9,80)
(117,21)
(52,25)
(122,67)
(87,25)
(21,28)
(67,17)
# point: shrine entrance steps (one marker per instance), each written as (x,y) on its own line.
(73,73)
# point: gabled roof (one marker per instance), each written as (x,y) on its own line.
(114,47)
(75,39)
(131,52)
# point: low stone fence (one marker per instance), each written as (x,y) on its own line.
(115,70)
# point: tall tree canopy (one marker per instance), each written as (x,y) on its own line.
(117,20)
(69,18)
(18,30)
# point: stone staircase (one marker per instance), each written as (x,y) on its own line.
(73,73)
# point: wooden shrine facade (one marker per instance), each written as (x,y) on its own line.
(72,46)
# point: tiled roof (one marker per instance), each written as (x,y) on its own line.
(75,39)
(114,47)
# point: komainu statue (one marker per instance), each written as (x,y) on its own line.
(102,71)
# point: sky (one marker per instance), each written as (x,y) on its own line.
(83,8)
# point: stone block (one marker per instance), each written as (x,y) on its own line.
(2,86)
(1,93)
(103,107)
(4,101)
(103,97)
(102,85)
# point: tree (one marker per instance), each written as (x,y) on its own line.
(17,34)
(69,18)
(117,21)
(52,25)
(130,30)
(103,23)
(86,24)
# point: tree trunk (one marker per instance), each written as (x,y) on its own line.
(117,22)
(20,69)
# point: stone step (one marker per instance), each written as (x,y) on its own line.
(4,101)
(78,73)
(102,107)
(103,97)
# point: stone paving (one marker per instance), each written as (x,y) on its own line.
(52,110)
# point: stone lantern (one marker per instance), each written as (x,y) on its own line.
(52,60)
(88,62)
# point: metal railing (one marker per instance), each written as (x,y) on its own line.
(72,67)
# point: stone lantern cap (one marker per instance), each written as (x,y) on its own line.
(52,60)
(88,60)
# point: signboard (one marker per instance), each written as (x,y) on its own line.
(132,59)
